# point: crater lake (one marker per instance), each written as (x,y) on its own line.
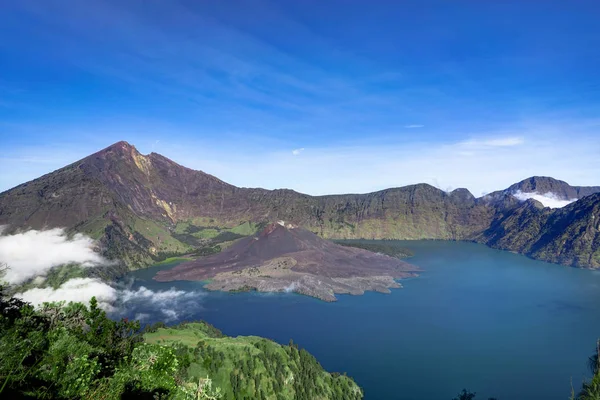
(496,323)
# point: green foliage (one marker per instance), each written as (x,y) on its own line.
(206,251)
(72,351)
(67,362)
(252,367)
(591,389)
(171,261)
(202,390)
(465,395)
(227,236)
(150,369)
(207,239)
(57,276)
(391,249)
(60,274)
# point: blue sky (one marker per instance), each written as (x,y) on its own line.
(317,96)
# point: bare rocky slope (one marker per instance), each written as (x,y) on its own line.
(143,208)
(284,257)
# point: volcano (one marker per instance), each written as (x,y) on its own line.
(284,257)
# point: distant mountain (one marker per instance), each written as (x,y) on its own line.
(543,185)
(144,208)
(284,257)
(568,236)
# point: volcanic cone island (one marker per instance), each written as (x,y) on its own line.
(284,257)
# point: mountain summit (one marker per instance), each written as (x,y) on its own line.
(144,208)
(560,189)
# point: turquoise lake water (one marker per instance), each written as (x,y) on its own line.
(494,322)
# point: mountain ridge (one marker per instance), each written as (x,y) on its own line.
(136,205)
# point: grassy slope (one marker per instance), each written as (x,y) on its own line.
(253,367)
(389,248)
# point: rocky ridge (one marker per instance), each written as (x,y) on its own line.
(143,208)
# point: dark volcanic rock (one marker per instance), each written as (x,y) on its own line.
(313,255)
(286,256)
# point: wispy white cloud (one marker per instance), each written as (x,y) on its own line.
(484,162)
(33,253)
(242,68)
(172,303)
(140,302)
(508,141)
(547,199)
(141,317)
(479,164)
(212,62)
(296,152)
(77,290)
(144,294)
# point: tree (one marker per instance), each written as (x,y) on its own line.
(71,351)
(465,395)
(203,390)
(591,390)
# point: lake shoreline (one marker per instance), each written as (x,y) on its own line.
(467,297)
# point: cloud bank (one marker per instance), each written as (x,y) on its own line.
(483,163)
(33,253)
(76,290)
(167,305)
(141,302)
(547,199)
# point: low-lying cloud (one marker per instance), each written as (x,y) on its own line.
(77,290)
(33,253)
(166,305)
(119,299)
(547,199)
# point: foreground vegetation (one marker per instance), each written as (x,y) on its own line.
(591,388)
(253,367)
(75,351)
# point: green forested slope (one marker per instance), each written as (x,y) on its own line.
(254,368)
(75,352)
